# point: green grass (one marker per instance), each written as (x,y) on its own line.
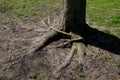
(119,65)
(34,76)
(105,13)
(4,22)
(100,12)
(25,8)
(81,76)
(81,65)
(117,32)
(18,74)
(115,20)
(108,32)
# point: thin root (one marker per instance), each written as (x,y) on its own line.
(62,32)
(68,42)
(65,63)
(9,65)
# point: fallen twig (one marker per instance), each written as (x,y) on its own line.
(68,42)
(62,32)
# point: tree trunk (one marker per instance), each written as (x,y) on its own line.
(73,20)
(73,17)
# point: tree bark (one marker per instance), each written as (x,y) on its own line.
(73,18)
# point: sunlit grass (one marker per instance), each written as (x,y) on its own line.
(100,12)
(105,13)
(23,8)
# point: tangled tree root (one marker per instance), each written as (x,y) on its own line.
(40,43)
(79,47)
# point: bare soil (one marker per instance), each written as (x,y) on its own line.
(16,39)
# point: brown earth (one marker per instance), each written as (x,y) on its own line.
(17,37)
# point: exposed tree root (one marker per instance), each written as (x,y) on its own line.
(62,32)
(47,38)
(65,63)
(58,31)
(40,43)
(37,45)
(80,51)
(68,58)
(68,42)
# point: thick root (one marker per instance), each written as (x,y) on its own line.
(80,48)
(69,41)
(81,52)
(39,43)
(66,62)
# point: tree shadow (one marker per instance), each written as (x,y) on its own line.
(100,39)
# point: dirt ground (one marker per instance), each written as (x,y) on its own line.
(17,37)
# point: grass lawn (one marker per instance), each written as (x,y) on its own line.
(103,14)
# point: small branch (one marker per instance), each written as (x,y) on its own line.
(62,32)
(68,42)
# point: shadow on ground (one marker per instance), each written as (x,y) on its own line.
(101,40)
